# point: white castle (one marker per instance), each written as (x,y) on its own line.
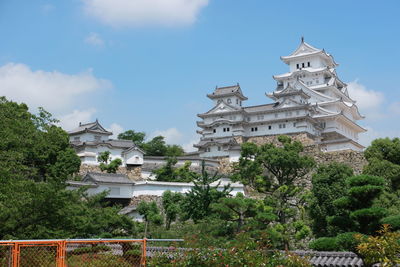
(309,99)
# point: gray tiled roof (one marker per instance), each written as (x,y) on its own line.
(114,143)
(227,90)
(107,178)
(92,127)
(331,259)
(259,108)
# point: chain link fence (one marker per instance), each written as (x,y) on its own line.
(77,252)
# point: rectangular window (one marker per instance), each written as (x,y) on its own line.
(283,125)
(77,138)
(294,124)
(214,130)
(269,127)
(97,137)
(219,148)
(308,64)
(302,65)
(224,129)
(228,129)
(255,129)
(297,65)
(276,115)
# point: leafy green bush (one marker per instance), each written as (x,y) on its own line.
(347,241)
(324,244)
(393,221)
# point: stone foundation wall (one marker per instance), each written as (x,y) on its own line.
(355,159)
(133,172)
(304,138)
(147,198)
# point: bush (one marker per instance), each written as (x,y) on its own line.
(324,244)
(393,221)
(347,241)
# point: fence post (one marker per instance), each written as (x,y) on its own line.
(144,252)
(61,252)
(15,255)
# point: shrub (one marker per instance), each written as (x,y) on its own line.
(393,221)
(324,244)
(383,249)
(347,241)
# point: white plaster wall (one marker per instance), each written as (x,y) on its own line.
(126,191)
(133,157)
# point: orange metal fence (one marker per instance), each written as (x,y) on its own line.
(75,252)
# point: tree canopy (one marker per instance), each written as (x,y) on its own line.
(35,161)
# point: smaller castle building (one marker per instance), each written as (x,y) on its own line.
(91,139)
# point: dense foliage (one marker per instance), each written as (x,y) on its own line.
(279,171)
(35,161)
(170,173)
(107,164)
(329,183)
(154,147)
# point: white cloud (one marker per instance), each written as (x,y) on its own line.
(172,135)
(53,90)
(120,13)
(116,129)
(188,147)
(366,99)
(94,39)
(72,120)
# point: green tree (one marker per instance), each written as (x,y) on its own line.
(32,147)
(236,209)
(169,173)
(174,151)
(136,137)
(171,203)
(383,157)
(328,184)
(35,161)
(151,214)
(278,171)
(108,165)
(197,202)
(357,212)
(155,147)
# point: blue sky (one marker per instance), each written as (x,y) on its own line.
(148,64)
